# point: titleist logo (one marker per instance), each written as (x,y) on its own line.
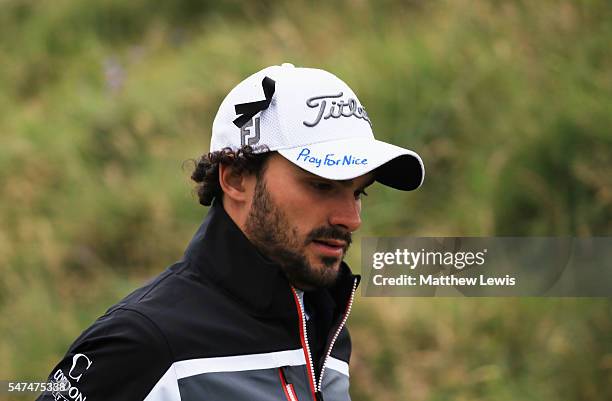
(337,108)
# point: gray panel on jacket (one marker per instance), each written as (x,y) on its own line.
(260,385)
(249,385)
(335,386)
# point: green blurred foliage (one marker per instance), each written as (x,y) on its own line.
(508,102)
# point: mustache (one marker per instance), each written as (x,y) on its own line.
(330,232)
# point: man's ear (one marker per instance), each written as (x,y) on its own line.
(233,184)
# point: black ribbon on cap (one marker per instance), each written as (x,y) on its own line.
(248,110)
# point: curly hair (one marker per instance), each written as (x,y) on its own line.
(206,172)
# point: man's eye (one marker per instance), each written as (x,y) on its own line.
(321,186)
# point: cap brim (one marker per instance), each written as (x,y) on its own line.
(345,159)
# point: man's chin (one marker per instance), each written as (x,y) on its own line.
(331,264)
(325,271)
(313,276)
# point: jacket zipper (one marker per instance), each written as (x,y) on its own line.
(331,344)
(304,339)
(315,385)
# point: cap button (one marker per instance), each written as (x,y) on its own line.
(287,65)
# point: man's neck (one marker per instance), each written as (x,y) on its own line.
(238,213)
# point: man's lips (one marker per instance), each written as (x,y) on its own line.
(332,242)
(331,247)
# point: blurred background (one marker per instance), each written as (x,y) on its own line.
(102,104)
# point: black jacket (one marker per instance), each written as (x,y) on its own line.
(221,324)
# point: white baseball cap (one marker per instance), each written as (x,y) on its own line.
(315,121)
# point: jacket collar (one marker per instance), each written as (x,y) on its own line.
(224,255)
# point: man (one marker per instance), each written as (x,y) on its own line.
(256,309)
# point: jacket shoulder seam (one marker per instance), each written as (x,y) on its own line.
(155,325)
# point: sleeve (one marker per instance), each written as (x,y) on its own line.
(122,356)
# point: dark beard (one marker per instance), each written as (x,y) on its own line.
(269,230)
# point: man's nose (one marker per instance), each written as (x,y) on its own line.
(346,213)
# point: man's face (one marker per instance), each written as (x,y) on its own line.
(304,222)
